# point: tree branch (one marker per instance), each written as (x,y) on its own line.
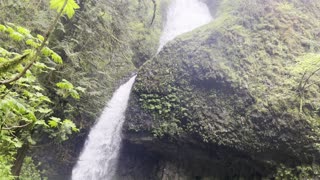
(301,80)
(304,86)
(12,63)
(15,127)
(308,78)
(38,52)
(154,11)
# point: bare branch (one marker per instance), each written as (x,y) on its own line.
(154,11)
(308,78)
(15,127)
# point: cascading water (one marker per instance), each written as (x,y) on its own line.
(184,16)
(99,156)
(98,159)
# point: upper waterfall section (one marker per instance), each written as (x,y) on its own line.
(184,16)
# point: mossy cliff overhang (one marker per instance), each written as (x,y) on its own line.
(230,84)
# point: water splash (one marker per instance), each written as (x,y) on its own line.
(98,159)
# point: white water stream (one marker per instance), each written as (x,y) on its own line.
(98,159)
(184,16)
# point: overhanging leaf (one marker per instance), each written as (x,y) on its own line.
(69,9)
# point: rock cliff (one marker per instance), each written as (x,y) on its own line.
(223,101)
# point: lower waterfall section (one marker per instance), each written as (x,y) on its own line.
(98,159)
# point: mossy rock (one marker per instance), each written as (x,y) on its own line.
(233,85)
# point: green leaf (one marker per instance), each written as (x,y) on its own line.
(3,28)
(42,123)
(70,125)
(32,43)
(74,94)
(41,38)
(31,116)
(53,124)
(56,58)
(41,66)
(45,98)
(23,30)
(65,84)
(9,30)
(16,36)
(46,51)
(17,106)
(69,9)
(67,89)
(55,119)
(4,52)
(13,141)
(44,110)
(38,88)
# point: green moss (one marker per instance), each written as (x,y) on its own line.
(298,172)
(233,80)
(145,30)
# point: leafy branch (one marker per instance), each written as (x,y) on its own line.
(23,107)
(68,8)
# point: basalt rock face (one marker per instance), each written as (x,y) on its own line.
(222,102)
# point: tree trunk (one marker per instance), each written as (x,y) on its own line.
(16,168)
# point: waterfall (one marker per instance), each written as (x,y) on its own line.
(99,156)
(98,159)
(184,16)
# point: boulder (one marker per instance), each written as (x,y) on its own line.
(223,100)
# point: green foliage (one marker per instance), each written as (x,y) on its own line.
(5,167)
(285,6)
(97,48)
(307,63)
(29,170)
(298,172)
(145,36)
(25,107)
(69,8)
(66,89)
(166,106)
(61,129)
(26,111)
(172,129)
(237,68)
(9,60)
